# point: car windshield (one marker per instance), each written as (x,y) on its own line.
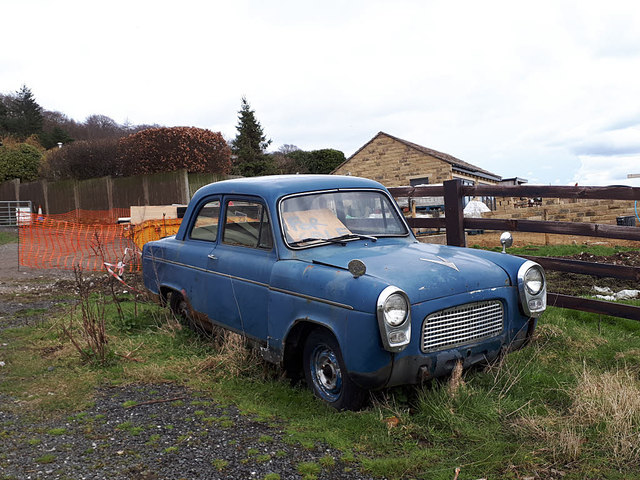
(339,216)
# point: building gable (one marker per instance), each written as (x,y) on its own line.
(396,162)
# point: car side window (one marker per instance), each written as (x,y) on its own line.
(247,224)
(206,224)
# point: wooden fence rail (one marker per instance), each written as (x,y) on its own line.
(455,224)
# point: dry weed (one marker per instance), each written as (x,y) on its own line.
(90,337)
(607,403)
(455,381)
(546,332)
(570,440)
(234,357)
(633,354)
(147,373)
(610,401)
(563,439)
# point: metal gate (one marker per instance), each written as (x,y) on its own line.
(15,213)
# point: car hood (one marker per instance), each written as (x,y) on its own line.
(423,271)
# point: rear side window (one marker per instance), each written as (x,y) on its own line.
(247,224)
(206,224)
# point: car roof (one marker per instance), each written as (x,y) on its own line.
(274,186)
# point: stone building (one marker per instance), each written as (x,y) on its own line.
(395,162)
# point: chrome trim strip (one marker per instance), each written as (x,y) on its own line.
(273,289)
(309,297)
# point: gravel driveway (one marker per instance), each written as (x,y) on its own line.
(182,436)
(139,432)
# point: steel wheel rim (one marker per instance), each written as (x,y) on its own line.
(326,373)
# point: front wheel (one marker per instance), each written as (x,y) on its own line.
(327,375)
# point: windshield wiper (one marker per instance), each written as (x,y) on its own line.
(337,240)
(356,235)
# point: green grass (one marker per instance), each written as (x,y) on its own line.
(562,250)
(8,237)
(525,417)
(219,464)
(47,458)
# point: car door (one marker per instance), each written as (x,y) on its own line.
(246,254)
(208,291)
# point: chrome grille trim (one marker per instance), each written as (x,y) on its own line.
(462,324)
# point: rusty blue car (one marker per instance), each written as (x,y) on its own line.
(323,274)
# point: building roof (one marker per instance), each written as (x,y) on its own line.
(456,163)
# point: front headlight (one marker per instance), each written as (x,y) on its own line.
(395,309)
(394,318)
(532,288)
(534,280)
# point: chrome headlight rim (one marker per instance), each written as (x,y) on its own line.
(530,283)
(533,304)
(395,335)
(391,294)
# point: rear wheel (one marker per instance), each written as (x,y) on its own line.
(180,309)
(327,375)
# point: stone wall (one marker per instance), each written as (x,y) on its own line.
(394,164)
(565,210)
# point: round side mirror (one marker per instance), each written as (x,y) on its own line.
(506,240)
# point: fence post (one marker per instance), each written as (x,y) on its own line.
(76,195)
(185,187)
(45,194)
(16,186)
(109,183)
(453,212)
(145,189)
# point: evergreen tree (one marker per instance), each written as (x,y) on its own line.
(26,114)
(4,114)
(250,144)
(317,161)
(50,139)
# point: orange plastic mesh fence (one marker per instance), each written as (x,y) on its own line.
(92,216)
(49,242)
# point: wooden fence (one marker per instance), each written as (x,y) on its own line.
(107,193)
(455,224)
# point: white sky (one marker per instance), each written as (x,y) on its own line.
(545,90)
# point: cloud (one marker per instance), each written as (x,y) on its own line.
(509,87)
(606,149)
(624,140)
(608,170)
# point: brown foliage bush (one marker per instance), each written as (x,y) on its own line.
(169,149)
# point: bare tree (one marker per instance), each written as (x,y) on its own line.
(287,148)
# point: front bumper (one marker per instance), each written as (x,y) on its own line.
(412,369)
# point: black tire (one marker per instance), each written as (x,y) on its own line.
(180,309)
(326,374)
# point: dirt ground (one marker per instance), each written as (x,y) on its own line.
(571,283)
(522,239)
(92,444)
(27,290)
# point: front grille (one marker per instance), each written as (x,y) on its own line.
(462,324)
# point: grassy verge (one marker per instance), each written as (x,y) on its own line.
(8,237)
(566,406)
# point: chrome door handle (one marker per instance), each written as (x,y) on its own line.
(212,256)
